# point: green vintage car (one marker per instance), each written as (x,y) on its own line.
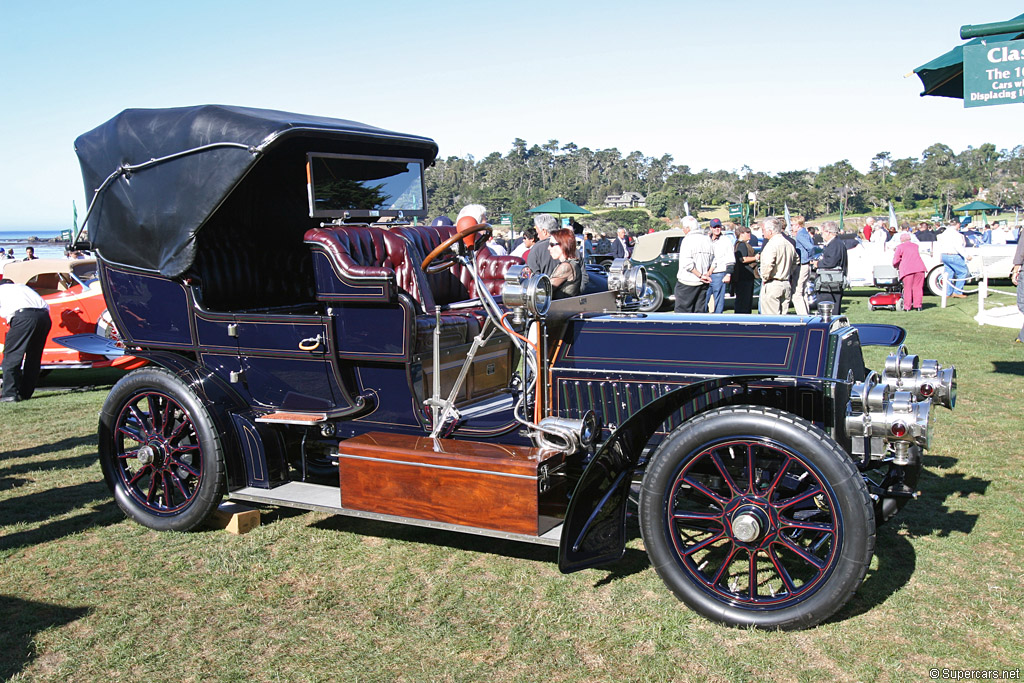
(658,252)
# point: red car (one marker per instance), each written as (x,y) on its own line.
(76,305)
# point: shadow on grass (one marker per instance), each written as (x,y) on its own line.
(896,563)
(927,516)
(633,562)
(74,463)
(22,620)
(55,447)
(441,538)
(92,499)
(1008,367)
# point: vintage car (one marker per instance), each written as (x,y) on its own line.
(73,293)
(312,345)
(993,261)
(658,253)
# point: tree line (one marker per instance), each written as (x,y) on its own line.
(528,175)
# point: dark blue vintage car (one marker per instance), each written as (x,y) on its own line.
(312,344)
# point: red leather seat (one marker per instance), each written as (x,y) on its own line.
(361,253)
(456,284)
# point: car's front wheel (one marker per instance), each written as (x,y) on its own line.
(755,517)
(160,451)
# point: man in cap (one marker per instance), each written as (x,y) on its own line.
(722,266)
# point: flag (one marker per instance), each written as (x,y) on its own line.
(789,224)
(893,223)
(74,221)
(686,207)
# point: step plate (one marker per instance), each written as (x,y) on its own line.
(328,499)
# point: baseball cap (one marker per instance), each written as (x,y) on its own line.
(715,223)
(442,221)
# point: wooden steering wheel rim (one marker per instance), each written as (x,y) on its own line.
(444,246)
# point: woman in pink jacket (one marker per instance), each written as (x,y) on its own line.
(908,259)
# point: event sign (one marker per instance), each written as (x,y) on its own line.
(993,74)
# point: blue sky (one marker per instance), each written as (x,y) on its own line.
(776,86)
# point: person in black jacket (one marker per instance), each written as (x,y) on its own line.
(833,257)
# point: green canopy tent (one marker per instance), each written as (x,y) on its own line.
(559,206)
(977,206)
(944,75)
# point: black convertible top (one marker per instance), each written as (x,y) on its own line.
(162,173)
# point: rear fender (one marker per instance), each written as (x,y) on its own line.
(218,397)
(594,531)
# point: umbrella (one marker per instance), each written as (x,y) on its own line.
(944,75)
(977,206)
(558,206)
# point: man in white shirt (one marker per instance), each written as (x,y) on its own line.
(950,244)
(696,254)
(721,267)
(28,320)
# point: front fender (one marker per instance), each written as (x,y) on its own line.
(594,531)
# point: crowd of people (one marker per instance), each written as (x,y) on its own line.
(725,258)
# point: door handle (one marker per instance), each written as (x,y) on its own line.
(311,343)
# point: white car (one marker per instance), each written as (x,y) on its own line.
(994,261)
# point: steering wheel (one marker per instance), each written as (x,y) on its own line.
(430,267)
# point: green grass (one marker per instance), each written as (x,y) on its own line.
(87,595)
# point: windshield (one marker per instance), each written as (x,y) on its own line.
(342,185)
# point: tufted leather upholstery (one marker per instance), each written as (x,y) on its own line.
(231,278)
(456,284)
(368,252)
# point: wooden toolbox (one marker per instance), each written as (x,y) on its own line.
(472,483)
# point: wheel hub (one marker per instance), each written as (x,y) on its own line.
(749,524)
(746,527)
(147,454)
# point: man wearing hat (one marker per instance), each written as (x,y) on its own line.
(722,266)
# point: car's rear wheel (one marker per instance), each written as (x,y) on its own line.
(160,451)
(755,517)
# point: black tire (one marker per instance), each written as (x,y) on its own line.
(653,299)
(160,451)
(889,478)
(782,549)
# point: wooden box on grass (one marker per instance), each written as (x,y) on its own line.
(237,519)
(485,485)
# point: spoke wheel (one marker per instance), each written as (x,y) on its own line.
(160,452)
(754,517)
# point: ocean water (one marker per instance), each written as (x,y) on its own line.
(19,239)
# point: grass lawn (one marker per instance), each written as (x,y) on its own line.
(87,595)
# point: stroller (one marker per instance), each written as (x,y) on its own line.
(888,278)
